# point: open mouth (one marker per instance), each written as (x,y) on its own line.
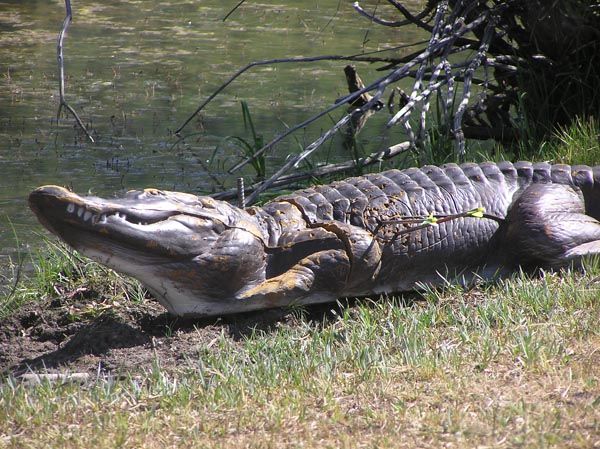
(91,214)
(54,201)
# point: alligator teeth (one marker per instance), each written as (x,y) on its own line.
(80,212)
(70,208)
(103,218)
(87,215)
(94,219)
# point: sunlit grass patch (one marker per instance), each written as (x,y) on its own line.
(61,272)
(579,143)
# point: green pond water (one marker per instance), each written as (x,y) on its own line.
(137,69)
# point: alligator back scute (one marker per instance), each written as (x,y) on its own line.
(524,172)
(588,180)
(339,203)
(324,210)
(582,176)
(368,201)
(561,174)
(442,177)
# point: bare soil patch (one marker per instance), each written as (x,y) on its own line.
(47,337)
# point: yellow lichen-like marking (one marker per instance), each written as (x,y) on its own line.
(278,286)
(208,203)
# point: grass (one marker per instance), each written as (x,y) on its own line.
(578,143)
(57,270)
(513,364)
(249,148)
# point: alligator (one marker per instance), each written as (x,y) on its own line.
(380,233)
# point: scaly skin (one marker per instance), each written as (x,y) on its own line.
(200,256)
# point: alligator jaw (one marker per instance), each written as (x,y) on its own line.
(184,248)
(132,223)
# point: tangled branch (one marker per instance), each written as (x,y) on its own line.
(473,66)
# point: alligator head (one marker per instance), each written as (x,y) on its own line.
(195,254)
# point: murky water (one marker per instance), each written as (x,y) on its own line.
(137,69)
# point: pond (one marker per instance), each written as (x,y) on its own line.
(136,70)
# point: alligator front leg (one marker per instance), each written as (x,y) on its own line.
(319,277)
(317,264)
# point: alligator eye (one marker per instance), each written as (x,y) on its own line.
(133,194)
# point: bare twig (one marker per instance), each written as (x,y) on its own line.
(241,194)
(232,10)
(325,170)
(429,52)
(294,161)
(422,222)
(222,87)
(359,9)
(61,71)
(410,18)
(474,64)
(358,121)
(435,35)
(416,20)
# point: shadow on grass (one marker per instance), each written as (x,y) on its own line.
(41,337)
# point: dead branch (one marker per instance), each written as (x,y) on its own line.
(324,170)
(379,86)
(222,87)
(295,160)
(358,121)
(488,48)
(61,71)
(232,10)
(410,18)
(474,64)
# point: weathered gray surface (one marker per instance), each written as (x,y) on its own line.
(200,256)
